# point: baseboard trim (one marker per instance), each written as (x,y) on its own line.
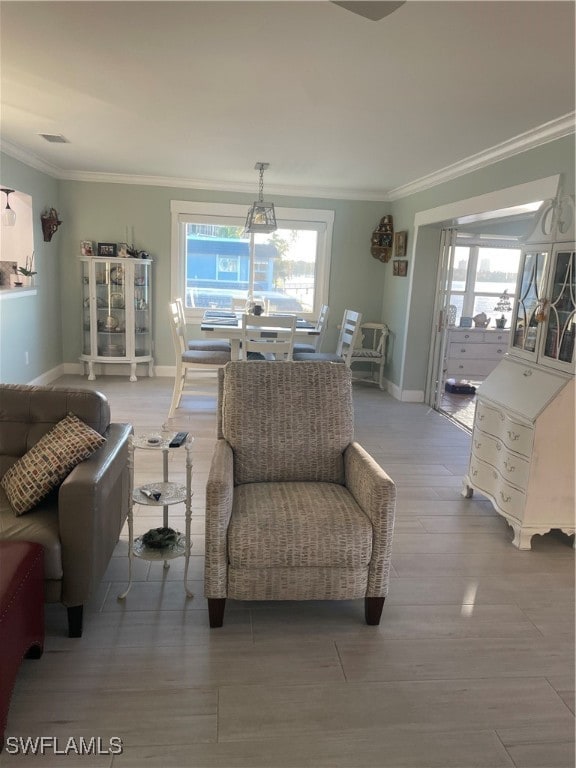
(77,369)
(48,377)
(404,395)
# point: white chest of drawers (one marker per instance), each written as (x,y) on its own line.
(522,454)
(472,353)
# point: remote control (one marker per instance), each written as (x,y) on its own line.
(178,439)
(151,494)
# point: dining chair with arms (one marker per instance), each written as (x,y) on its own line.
(188,360)
(346,341)
(371,350)
(268,337)
(206,345)
(295,510)
(321,323)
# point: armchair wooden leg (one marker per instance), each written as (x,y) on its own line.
(75,615)
(216,606)
(373,609)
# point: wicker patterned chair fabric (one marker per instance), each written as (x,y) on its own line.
(279,526)
(291,525)
(297,583)
(287,422)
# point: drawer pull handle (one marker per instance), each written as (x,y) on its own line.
(498,446)
(466,335)
(499,351)
(461,367)
(480,417)
(477,444)
(463,350)
(474,472)
(494,475)
(510,467)
(527,372)
(513,435)
(505,499)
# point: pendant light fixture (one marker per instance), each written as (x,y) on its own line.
(8,215)
(261,216)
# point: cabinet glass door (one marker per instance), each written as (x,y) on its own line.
(530,292)
(559,326)
(86,309)
(142,311)
(110,281)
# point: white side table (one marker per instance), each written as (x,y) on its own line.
(171,493)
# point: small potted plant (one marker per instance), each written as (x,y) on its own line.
(504,305)
(28,270)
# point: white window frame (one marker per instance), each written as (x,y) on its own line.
(469,294)
(187,211)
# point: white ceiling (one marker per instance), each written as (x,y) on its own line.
(194,93)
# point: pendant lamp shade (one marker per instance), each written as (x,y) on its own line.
(261,216)
(8,215)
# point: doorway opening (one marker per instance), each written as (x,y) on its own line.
(475,296)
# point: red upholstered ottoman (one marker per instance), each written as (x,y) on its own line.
(21,614)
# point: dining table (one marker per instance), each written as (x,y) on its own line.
(220,324)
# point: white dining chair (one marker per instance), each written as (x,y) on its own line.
(268,337)
(371,350)
(189,360)
(321,325)
(346,342)
(205,345)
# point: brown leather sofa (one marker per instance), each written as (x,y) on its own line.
(78,524)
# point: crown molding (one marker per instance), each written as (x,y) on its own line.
(222,186)
(543,134)
(30,159)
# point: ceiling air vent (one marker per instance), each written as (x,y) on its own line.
(54,138)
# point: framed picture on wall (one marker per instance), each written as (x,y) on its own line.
(400,241)
(400,268)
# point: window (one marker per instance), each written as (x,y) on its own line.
(480,276)
(215,264)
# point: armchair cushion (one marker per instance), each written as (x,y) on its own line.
(48,462)
(295,525)
(287,422)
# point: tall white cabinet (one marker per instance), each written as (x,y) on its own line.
(116,313)
(522,454)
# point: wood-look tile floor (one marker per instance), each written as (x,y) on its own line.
(472,665)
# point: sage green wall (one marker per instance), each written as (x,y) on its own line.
(101,212)
(29,323)
(416,310)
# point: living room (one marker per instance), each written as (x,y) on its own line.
(462,594)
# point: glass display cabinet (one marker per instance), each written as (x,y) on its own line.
(544,317)
(116,313)
(558,327)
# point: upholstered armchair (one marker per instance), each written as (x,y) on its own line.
(295,510)
(79,523)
